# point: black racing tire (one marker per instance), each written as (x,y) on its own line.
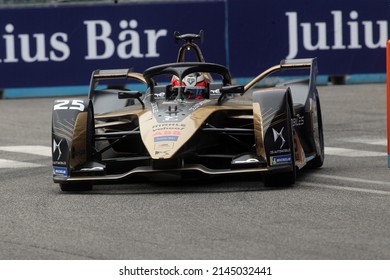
(90,133)
(318,135)
(286,178)
(76,187)
(280,179)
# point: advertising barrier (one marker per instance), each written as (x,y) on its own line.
(44,49)
(62,45)
(347,37)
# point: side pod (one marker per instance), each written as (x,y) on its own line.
(72,128)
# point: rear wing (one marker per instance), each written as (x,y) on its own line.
(310,63)
(111,74)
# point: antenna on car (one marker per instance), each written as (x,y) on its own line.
(189,44)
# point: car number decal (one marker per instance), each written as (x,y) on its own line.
(69,105)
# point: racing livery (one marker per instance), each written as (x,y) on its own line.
(186,119)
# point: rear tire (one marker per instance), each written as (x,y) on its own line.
(79,187)
(286,178)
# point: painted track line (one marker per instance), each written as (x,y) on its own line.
(367,141)
(343,152)
(342,188)
(356,180)
(348,179)
(29,149)
(5,163)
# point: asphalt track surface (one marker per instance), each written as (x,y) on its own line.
(340,211)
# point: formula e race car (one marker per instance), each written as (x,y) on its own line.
(189,120)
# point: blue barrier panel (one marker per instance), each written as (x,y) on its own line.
(62,45)
(348,37)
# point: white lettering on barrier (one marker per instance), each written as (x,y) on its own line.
(57,42)
(323,29)
(59,51)
(41,47)
(93,38)
(129,40)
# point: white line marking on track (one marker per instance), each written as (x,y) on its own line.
(352,153)
(356,180)
(29,149)
(334,187)
(5,163)
(367,141)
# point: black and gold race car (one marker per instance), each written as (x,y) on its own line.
(187,119)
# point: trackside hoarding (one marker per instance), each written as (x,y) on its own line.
(61,45)
(347,36)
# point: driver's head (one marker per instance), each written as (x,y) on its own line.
(195,85)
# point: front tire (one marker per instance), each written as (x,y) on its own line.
(280,179)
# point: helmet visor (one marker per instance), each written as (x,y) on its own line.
(194,92)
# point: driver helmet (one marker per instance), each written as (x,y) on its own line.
(195,85)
